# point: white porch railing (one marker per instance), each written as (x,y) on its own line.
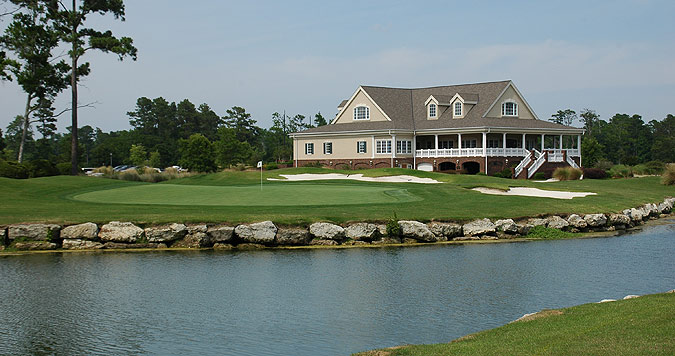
(537,164)
(571,162)
(555,155)
(523,163)
(450,152)
(573,152)
(505,152)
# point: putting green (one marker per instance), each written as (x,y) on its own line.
(271,195)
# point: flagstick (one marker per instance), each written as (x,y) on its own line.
(261,177)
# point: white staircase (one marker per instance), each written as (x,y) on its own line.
(537,164)
(523,163)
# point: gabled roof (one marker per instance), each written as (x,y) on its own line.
(343,103)
(407,111)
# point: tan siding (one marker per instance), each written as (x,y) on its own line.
(523,111)
(361,99)
(345,147)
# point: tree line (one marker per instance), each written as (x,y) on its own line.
(166,133)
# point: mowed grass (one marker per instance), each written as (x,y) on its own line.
(235,197)
(639,326)
(251,195)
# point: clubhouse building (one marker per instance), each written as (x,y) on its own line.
(483,127)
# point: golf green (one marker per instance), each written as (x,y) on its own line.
(251,195)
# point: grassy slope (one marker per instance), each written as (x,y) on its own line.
(640,326)
(50,199)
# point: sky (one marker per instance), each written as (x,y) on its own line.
(306,56)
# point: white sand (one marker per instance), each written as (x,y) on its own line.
(534,192)
(359,177)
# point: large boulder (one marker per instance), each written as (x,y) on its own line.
(221,234)
(323,242)
(537,222)
(556,222)
(664,208)
(258,233)
(87,231)
(35,245)
(362,231)
(479,227)
(417,231)
(651,209)
(79,244)
(506,226)
(446,230)
(618,219)
(327,231)
(595,220)
(123,246)
(635,215)
(577,221)
(524,229)
(293,236)
(116,231)
(196,236)
(34,232)
(165,233)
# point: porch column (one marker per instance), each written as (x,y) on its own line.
(436,141)
(561,145)
(523,141)
(459,140)
(393,149)
(542,142)
(504,144)
(485,151)
(414,149)
(579,144)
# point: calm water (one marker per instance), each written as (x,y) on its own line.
(309,302)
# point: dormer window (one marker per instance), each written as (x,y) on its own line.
(432,110)
(458,109)
(361,113)
(509,108)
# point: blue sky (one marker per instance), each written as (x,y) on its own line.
(306,56)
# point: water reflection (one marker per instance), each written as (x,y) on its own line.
(309,302)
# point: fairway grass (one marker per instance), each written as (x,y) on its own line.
(235,197)
(252,195)
(638,326)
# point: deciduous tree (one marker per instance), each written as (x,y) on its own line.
(564,117)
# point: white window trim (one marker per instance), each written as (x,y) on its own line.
(307,146)
(404,147)
(383,147)
(331,148)
(515,108)
(367,116)
(358,147)
(461,109)
(435,113)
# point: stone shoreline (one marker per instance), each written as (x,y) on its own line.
(117,235)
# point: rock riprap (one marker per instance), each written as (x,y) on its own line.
(446,230)
(479,227)
(362,232)
(293,236)
(78,244)
(220,233)
(507,226)
(87,231)
(165,233)
(34,232)
(417,230)
(258,233)
(327,231)
(116,231)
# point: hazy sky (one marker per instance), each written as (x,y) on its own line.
(306,56)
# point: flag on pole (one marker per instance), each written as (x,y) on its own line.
(259,164)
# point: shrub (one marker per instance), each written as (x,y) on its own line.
(594,173)
(640,169)
(316,164)
(130,175)
(106,170)
(153,177)
(271,166)
(393,227)
(344,167)
(539,176)
(567,173)
(63,168)
(668,177)
(505,173)
(240,167)
(603,164)
(41,168)
(620,171)
(481,174)
(655,167)
(11,169)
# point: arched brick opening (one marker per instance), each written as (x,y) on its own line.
(471,167)
(447,166)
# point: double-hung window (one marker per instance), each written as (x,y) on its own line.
(469,143)
(403,147)
(383,146)
(509,108)
(361,147)
(309,148)
(432,110)
(361,113)
(458,109)
(445,144)
(328,148)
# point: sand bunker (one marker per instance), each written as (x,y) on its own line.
(534,192)
(359,177)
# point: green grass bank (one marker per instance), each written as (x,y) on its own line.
(638,326)
(235,197)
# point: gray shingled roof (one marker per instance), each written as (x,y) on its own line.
(343,103)
(406,109)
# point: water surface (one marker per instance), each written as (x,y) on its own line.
(309,302)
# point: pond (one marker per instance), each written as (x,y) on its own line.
(310,302)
